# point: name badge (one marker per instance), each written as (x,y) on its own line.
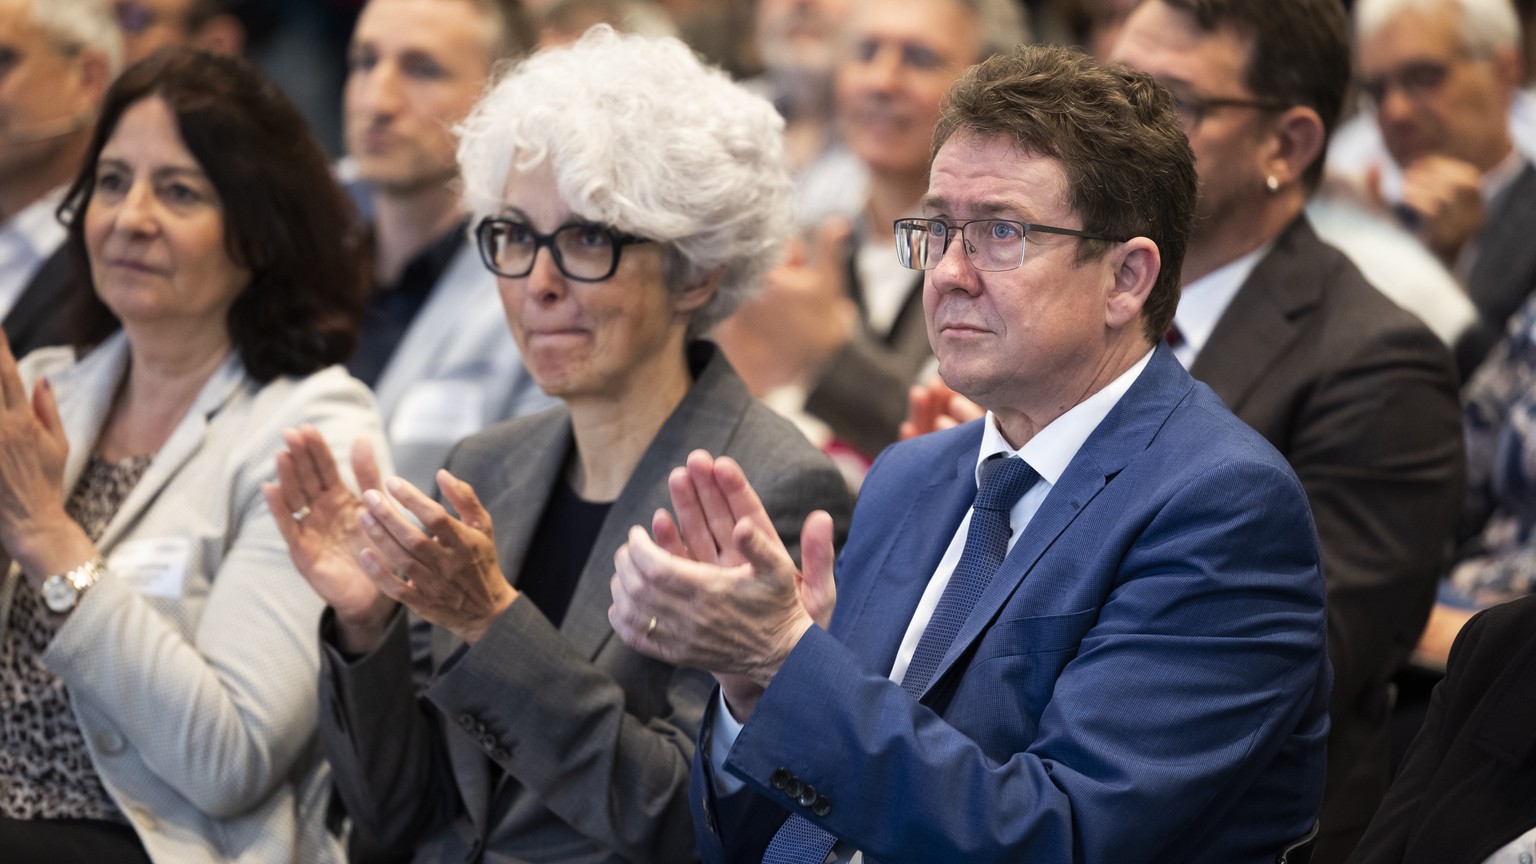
(438,411)
(155,566)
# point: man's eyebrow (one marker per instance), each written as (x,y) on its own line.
(998,208)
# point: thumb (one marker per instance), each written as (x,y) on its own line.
(818,585)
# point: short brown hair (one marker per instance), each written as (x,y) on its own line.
(285,219)
(1300,53)
(1128,166)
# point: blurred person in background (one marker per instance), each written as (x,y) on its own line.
(207,25)
(1356,393)
(838,336)
(1441,77)
(61,54)
(157,641)
(537,735)
(434,346)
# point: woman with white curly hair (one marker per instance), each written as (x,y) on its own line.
(627,197)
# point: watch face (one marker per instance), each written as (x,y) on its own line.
(59,594)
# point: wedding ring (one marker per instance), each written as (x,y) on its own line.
(651,627)
(299,514)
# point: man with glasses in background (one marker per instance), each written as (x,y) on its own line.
(434,344)
(57,58)
(1440,76)
(1357,394)
(1088,627)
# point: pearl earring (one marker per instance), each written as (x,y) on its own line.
(1272,183)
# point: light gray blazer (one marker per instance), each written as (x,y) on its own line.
(455,371)
(196,694)
(541,744)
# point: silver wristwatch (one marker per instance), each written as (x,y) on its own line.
(62,591)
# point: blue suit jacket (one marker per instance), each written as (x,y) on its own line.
(1145,679)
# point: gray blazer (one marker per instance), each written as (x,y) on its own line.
(1504,273)
(192,687)
(541,744)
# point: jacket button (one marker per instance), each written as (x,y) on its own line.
(822,806)
(793,787)
(110,743)
(807,795)
(466,722)
(780,779)
(500,755)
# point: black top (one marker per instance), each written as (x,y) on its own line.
(561,545)
(391,308)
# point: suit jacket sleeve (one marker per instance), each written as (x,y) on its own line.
(1378,448)
(566,727)
(1219,590)
(236,692)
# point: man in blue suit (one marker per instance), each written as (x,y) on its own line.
(1087,628)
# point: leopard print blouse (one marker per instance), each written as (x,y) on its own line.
(45,768)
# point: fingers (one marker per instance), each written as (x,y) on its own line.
(818,586)
(46,408)
(692,523)
(764,551)
(919,413)
(12,392)
(292,497)
(365,468)
(742,499)
(304,471)
(392,533)
(666,533)
(461,496)
(282,512)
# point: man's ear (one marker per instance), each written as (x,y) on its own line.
(1295,143)
(95,76)
(1136,262)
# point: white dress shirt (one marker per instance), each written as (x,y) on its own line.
(29,239)
(1048,452)
(1205,300)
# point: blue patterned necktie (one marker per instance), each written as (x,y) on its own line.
(1003,482)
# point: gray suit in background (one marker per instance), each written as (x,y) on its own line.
(1504,273)
(541,744)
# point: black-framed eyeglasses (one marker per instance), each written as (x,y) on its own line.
(1193,109)
(992,245)
(584,251)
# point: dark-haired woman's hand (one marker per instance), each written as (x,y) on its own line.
(447,573)
(321,521)
(34,528)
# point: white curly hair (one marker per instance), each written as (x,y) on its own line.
(643,136)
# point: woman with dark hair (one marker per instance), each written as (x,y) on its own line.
(156,644)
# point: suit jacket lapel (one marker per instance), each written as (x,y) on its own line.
(919,537)
(1262,320)
(706,419)
(1125,432)
(186,439)
(1506,258)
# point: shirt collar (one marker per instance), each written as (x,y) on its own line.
(1053,447)
(1203,301)
(38,223)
